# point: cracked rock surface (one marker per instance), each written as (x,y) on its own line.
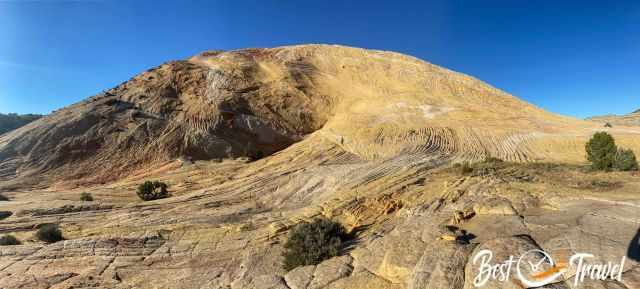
(224,235)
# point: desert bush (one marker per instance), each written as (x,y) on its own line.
(152,190)
(312,243)
(3,198)
(492,160)
(256,155)
(465,168)
(489,166)
(5,214)
(626,160)
(86,197)
(486,167)
(9,240)
(49,233)
(601,151)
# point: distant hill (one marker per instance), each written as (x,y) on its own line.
(11,121)
(632,119)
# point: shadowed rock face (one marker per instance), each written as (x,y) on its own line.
(179,109)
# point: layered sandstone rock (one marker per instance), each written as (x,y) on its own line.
(254,102)
(254,141)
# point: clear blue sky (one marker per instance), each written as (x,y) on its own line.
(578,58)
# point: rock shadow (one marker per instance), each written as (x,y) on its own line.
(633,252)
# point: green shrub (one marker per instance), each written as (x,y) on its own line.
(257,155)
(465,168)
(601,151)
(8,240)
(488,166)
(49,233)
(86,197)
(5,214)
(626,160)
(493,160)
(152,190)
(312,243)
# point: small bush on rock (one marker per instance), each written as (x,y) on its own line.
(626,160)
(254,156)
(603,154)
(486,167)
(86,197)
(5,214)
(312,243)
(489,166)
(601,151)
(465,168)
(49,233)
(152,190)
(8,240)
(493,160)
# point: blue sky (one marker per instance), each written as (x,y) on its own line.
(578,58)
